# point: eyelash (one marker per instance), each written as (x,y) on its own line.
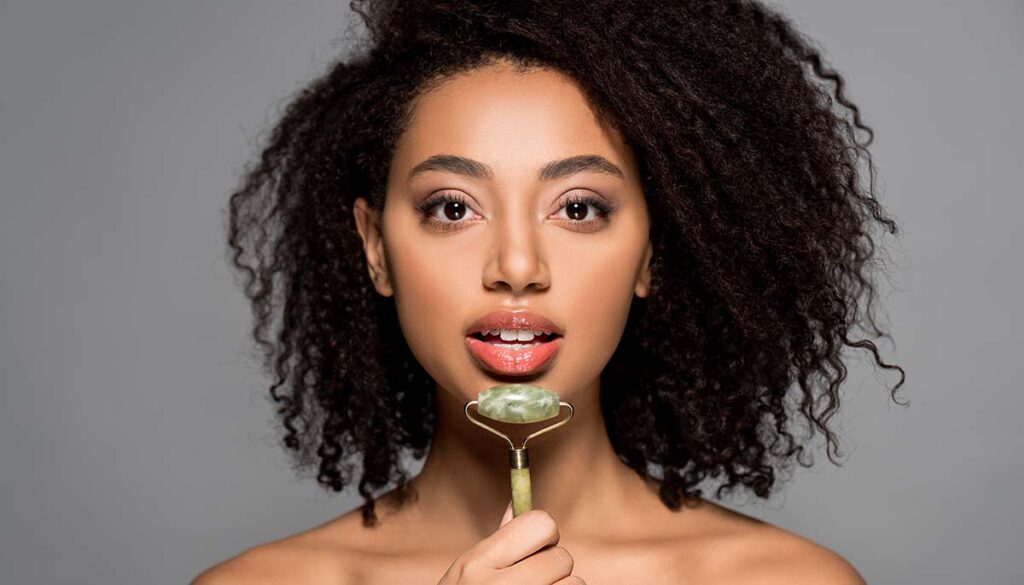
(427,205)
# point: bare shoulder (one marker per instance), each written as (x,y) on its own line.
(342,551)
(746,551)
(319,556)
(773,556)
(270,563)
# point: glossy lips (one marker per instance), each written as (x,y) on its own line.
(513,361)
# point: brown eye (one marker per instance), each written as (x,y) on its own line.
(452,207)
(453,210)
(577,211)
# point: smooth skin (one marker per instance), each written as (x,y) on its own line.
(517,244)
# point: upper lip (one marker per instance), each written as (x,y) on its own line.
(505,319)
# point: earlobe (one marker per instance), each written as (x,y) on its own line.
(643,283)
(368,225)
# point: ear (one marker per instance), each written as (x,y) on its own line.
(368,222)
(643,281)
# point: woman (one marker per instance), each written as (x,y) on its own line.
(662,191)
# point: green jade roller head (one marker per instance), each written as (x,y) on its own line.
(519,404)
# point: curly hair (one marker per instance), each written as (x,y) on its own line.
(761,226)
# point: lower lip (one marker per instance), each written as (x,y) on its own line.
(513,361)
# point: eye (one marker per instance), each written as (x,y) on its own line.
(452,206)
(577,207)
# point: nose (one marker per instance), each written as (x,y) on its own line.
(517,262)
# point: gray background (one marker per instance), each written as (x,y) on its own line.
(134,438)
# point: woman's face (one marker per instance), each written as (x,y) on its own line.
(496,226)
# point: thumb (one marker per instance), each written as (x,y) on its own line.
(508,515)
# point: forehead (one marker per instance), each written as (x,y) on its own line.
(514,120)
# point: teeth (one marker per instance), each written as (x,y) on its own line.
(521,335)
(516,335)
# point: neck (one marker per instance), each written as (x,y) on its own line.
(574,471)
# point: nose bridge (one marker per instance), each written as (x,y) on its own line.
(518,258)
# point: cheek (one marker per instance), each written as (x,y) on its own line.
(595,292)
(433,295)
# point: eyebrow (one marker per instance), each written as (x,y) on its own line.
(555,169)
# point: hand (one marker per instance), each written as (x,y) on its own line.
(522,551)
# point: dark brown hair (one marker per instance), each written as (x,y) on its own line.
(751,163)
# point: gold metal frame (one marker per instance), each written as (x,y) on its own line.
(532,435)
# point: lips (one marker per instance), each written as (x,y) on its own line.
(513,361)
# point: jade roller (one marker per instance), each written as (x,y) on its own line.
(519,404)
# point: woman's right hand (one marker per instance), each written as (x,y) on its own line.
(522,551)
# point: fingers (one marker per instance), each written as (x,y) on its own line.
(521,550)
(550,565)
(517,539)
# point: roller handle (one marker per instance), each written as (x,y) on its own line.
(522,495)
